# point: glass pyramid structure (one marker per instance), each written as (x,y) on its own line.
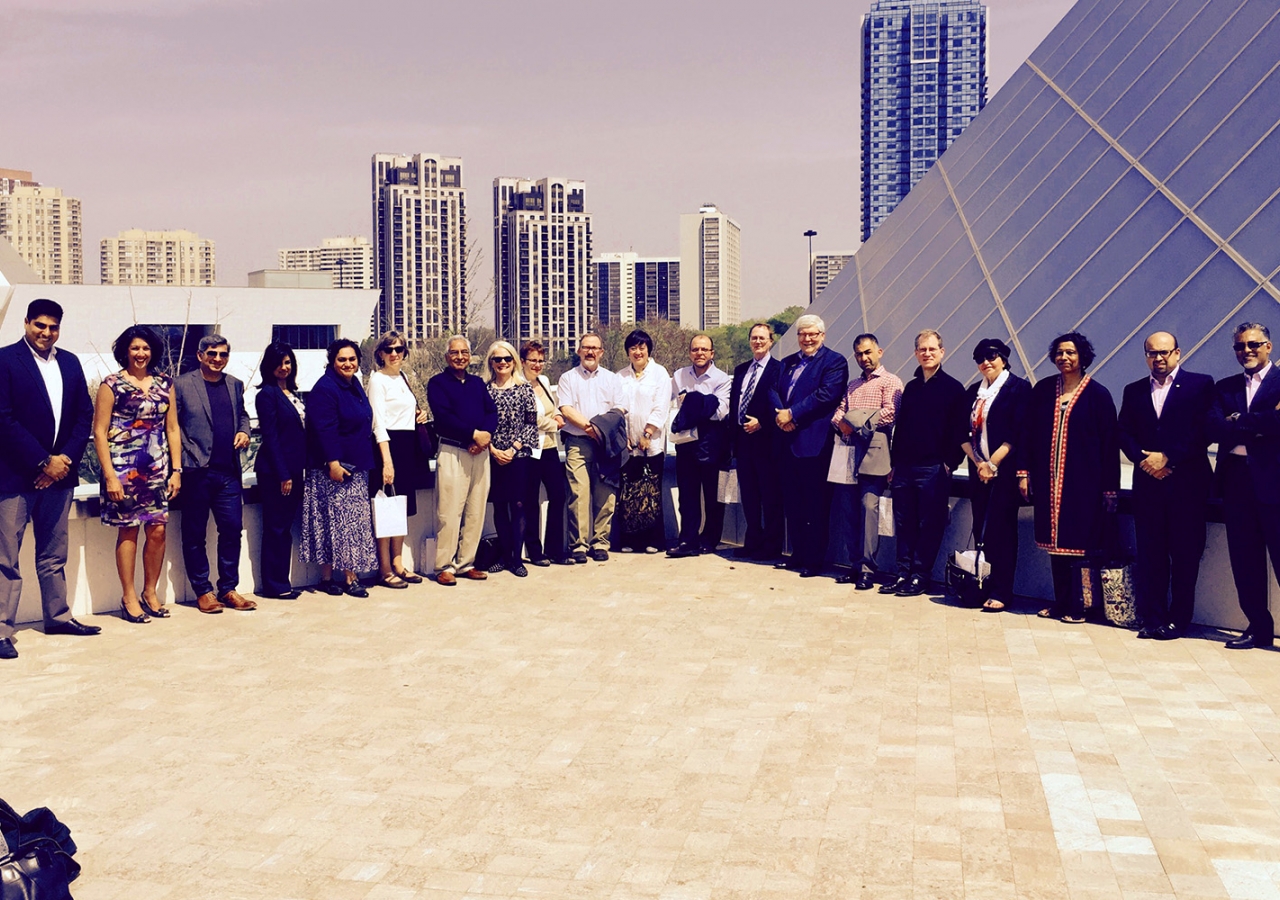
(1125,180)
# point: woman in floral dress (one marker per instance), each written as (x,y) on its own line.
(135,433)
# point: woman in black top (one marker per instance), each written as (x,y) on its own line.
(997,412)
(513,443)
(279,465)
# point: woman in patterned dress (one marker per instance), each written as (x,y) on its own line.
(337,528)
(135,433)
(510,452)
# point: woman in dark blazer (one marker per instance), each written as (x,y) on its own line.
(1071,470)
(337,529)
(281,459)
(997,416)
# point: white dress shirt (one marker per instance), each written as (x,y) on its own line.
(590,393)
(712,381)
(52,376)
(648,398)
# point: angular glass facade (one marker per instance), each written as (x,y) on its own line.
(1124,181)
(924,78)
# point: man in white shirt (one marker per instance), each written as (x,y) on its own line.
(698,462)
(584,392)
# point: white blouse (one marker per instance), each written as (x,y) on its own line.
(648,400)
(394,406)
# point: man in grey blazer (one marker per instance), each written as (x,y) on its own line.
(215,430)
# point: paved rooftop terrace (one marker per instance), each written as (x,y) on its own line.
(646,728)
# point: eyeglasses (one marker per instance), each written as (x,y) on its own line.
(1165,354)
(391,350)
(501,359)
(1239,346)
(218,354)
(531,361)
(596,348)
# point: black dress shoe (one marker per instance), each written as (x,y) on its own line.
(569,560)
(681,551)
(1168,632)
(600,555)
(7,650)
(785,564)
(894,586)
(1247,641)
(865,583)
(806,572)
(913,587)
(848,578)
(71,626)
(290,594)
(542,562)
(580,558)
(1148,632)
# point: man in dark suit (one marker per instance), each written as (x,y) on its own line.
(215,429)
(1245,422)
(807,392)
(45,417)
(754,431)
(1162,431)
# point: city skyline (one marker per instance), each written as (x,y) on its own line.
(282,165)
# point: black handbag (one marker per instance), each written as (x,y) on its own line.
(969,587)
(39,863)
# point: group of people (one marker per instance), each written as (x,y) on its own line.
(802,435)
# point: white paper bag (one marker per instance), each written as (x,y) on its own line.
(390,516)
(841,469)
(886,516)
(974,562)
(727,490)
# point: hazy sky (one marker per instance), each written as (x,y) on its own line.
(253,123)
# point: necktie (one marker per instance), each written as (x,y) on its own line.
(748,393)
(795,375)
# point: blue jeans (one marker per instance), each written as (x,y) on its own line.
(207,491)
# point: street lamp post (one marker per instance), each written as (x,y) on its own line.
(811,234)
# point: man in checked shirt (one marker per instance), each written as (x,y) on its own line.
(874,389)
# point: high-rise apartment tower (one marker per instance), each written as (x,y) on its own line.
(420,244)
(825,266)
(924,78)
(542,274)
(350,259)
(43,226)
(157,257)
(632,288)
(710,269)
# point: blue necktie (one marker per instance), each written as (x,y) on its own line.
(748,393)
(796,373)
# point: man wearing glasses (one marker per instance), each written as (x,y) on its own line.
(215,430)
(1162,431)
(1246,425)
(584,392)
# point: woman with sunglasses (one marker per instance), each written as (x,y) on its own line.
(509,453)
(396,416)
(997,412)
(1071,469)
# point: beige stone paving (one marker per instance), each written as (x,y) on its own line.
(646,728)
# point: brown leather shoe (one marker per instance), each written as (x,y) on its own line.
(233,600)
(476,574)
(446,577)
(208,603)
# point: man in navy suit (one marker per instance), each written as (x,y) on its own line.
(1246,425)
(45,417)
(808,391)
(1162,431)
(754,432)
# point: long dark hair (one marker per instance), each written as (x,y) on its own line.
(276,353)
(120,348)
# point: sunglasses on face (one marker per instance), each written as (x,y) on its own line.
(501,359)
(1239,346)
(218,354)
(991,356)
(391,350)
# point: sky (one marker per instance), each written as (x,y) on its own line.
(252,122)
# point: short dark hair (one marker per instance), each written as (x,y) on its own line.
(1243,327)
(338,345)
(275,354)
(120,347)
(532,347)
(636,338)
(765,325)
(1083,347)
(209,341)
(865,336)
(986,345)
(43,306)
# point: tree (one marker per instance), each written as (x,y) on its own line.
(785,319)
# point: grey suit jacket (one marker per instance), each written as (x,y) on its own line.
(871,446)
(195,420)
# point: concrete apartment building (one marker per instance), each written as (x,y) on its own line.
(420,244)
(350,259)
(825,266)
(542,272)
(710,269)
(43,226)
(179,257)
(631,288)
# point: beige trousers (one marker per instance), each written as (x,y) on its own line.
(591,501)
(462,491)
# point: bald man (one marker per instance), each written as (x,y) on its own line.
(1163,420)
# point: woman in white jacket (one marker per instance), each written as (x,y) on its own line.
(639,518)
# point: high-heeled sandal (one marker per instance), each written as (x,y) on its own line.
(161,613)
(140,619)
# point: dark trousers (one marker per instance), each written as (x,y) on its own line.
(278,515)
(919,516)
(857,510)
(47,511)
(761,491)
(1168,521)
(995,512)
(698,483)
(207,491)
(1253,534)
(1067,600)
(546,471)
(509,493)
(807,499)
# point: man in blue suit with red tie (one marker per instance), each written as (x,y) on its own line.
(1245,421)
(807,392)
